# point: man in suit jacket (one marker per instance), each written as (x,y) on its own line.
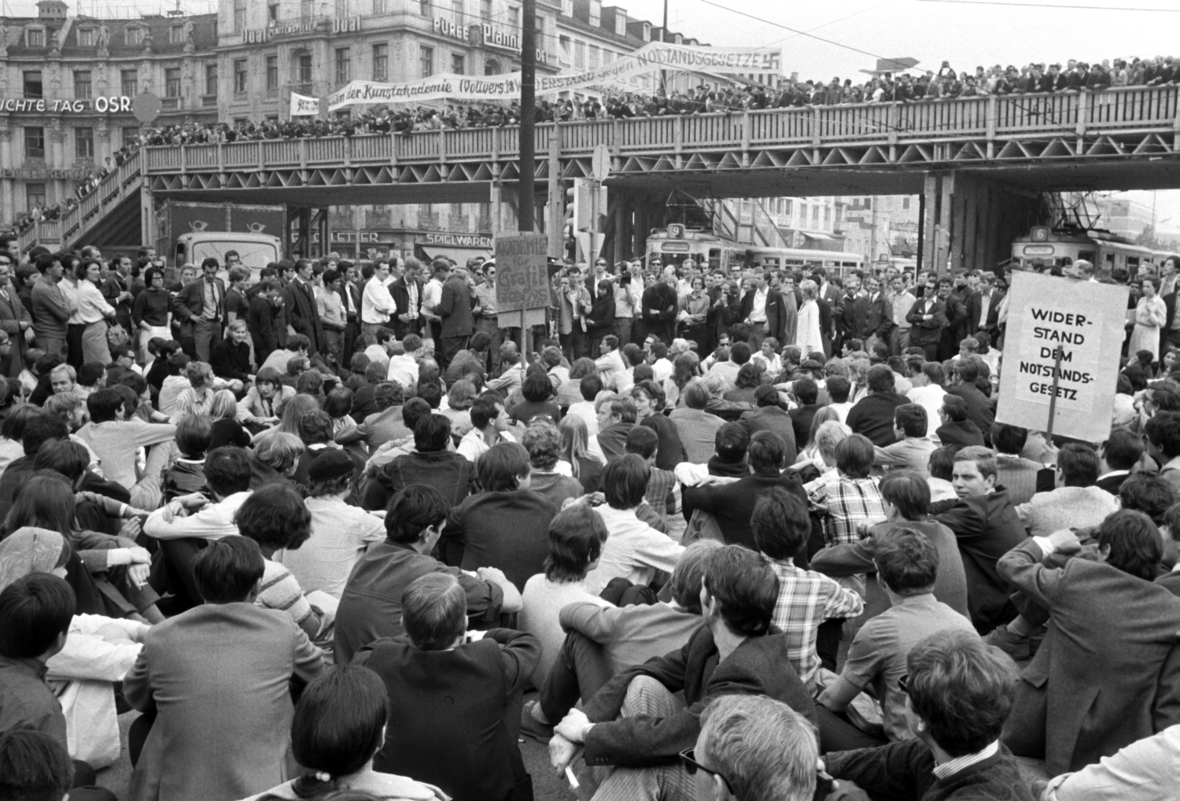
(956,320)
(927,320)
(200,306)
(983,307)
(635,721)
(769,416)
(981,409)
(407,294)
(443,686)
(765,311)
(956,428)
(851,311)
(350,299)
(872,416)
(454,308)
(299,298)
(878,320)
(1067,711)
(14,321)
(117,292)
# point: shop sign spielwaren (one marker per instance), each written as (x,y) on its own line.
(458,241)
(41,105)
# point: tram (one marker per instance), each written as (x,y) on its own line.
(677,243)
(1110,254)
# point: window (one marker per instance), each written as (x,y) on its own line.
(81,84)
(425,61)
(240,76)
(272,74)
(307,9)
(380,62)
(814,218)
(457,7)
(84,143)
(176,34)
(424,7)
(304,65)
(485,10)
(492,67)
(34,195)
(133,36)
(34,142)
(33,85)
(35,37)
(130,81)
(787,207)
(905,204)
(211,79)
(580,55)
(379,7)
(172,82)
(343,65)
(239,16)
(272,12)
(595,13)
(87,37)
(594,57)
(130,134)
(458,64)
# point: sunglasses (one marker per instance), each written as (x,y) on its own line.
(691,766)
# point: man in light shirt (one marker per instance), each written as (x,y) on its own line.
(488,316)
(376,303)
(432,294)
(610,364)
(928,379)
(901,302)
(403,361)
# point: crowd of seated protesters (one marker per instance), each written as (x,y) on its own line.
(666,550)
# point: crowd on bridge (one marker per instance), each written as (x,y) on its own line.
(308,528)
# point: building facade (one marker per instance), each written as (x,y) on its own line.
(67,85)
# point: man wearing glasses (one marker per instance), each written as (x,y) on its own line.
(634,726)
(487,320)
(15,320)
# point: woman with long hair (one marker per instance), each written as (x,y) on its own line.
(223,412)
(807,329)
(293,410)
(694,308)
(810,451)
(338,727)
(684,369)
(575,439)
(95,312)
(117,565)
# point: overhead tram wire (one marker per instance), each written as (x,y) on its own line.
(1048,5)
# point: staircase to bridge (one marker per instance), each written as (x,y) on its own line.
(980,163)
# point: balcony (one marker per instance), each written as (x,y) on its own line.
(208,101)
(171,104)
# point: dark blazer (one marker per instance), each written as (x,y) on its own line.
(926,332)
(261,322)
(455,712)
(1067,700)
(602,313)
(448,472)
(114,286)
(772,418)
(1112,484)
(776,312)
(975,306)
(231,361)
(879,318)
(299,299)
(986,527)
(455,309)
(400,291)
(732,504)
(759,666)
(872,416)
(981,409)
(960,435)
(190,301)
(670,451)
(850,316)
(508,530)
(12,314)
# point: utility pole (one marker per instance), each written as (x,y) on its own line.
(664,38)
(526,216)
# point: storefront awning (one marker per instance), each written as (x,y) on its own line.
(817,236)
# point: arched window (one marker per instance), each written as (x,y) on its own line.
(491,67)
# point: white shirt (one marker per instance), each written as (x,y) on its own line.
(610,365)
(376,303)
(758,310)
(661,370)
(473,445)
(634,550)
(340,534)
(403,369)
(431,295)
(211,523)
(985,303)
(930,398)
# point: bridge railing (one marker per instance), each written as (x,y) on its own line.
(1013,116)
(111,191)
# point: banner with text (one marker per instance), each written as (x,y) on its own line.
(304,106)
(649,58)
(1086,321)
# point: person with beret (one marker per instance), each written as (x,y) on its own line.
(340,534)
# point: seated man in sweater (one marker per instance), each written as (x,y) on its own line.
(116,439)
(958,694)
(634,727)
(604,640)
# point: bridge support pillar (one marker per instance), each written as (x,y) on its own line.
(970,221)
(147,220)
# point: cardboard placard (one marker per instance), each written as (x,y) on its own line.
(1086,321)
(522,280)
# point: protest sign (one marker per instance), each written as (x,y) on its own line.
(522,280)
(1085,321)
(304,106)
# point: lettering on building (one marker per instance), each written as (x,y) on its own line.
(460,240)
(101,105)
(300,27)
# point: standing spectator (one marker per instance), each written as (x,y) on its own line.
(1150,317)
(116,289)
(443,683)
(928,318)
(15,321)
(300,301)
(983,307)
(377,303)
(879,320)
(264,331)
(332,318)
(454,308)
(51,309)
(431,295)
(222,669)
(765,312)
(200,306)
(956,319)
(658,305)
(406,292)
(487,321)
(901,301)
